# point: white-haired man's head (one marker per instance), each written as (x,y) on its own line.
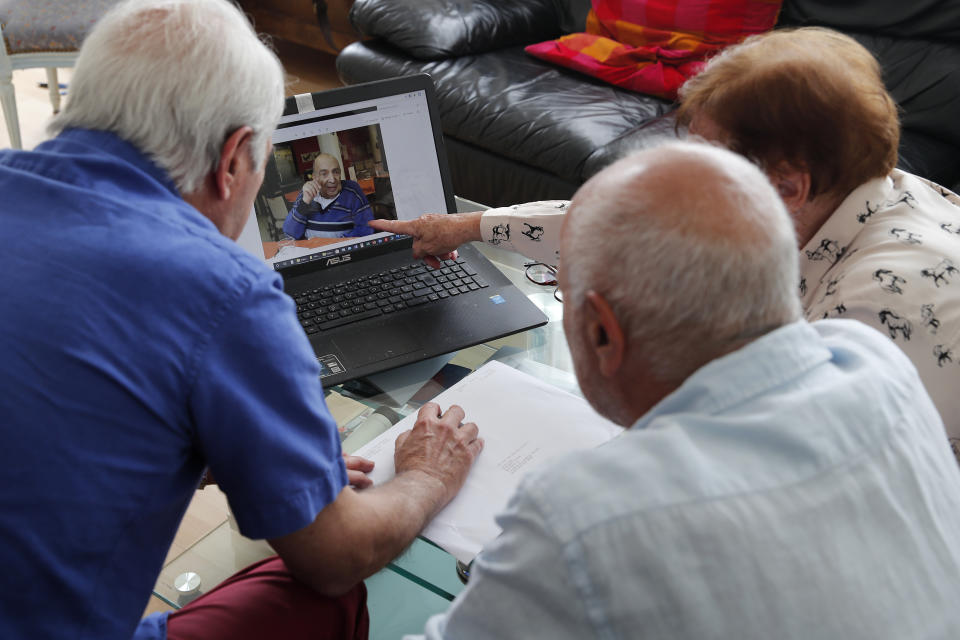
(175,78)
(690,253)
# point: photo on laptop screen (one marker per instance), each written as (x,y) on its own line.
(333,170)
(342,158)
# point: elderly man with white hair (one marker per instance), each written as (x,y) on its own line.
(329,206)
(139,344)
(776,478)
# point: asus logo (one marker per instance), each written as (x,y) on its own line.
(338,260)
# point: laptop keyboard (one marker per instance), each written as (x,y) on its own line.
(410,285)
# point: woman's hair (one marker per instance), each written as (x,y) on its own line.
(810,97)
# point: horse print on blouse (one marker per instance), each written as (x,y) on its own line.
(831,288)
(941,273)
(829,250)
(836,312)
(889,281)
(905,198)
(906,237)
(866,215)
(929,320)
(895,324)
(943,356)
(533,232)
(501,233)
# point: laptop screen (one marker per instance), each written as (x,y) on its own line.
(372,151)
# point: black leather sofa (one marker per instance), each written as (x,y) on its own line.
(519,129)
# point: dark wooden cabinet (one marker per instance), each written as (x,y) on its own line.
(323,25)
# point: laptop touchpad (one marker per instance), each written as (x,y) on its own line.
(376,346)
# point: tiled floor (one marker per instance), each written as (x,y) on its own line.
(33,106)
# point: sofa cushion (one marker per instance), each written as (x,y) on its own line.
(654,46)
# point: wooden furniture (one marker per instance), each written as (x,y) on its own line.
(320,24)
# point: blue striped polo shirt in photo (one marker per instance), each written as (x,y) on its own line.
(346,217)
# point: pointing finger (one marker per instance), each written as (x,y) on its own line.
(394,226)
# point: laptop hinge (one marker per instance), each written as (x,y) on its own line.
(304,103)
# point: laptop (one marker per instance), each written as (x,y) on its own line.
(339,158)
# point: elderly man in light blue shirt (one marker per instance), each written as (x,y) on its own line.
(778,479)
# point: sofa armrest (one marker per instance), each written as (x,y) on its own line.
(436,29)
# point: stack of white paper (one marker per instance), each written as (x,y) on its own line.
(524,422)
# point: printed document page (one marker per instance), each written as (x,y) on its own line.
(525,423)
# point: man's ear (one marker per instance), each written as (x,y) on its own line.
(604,334)
(234,157)
(792,183)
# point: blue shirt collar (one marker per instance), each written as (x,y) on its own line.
(106,142)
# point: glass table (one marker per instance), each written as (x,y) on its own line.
(422,580)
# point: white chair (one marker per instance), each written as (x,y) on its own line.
(41,33)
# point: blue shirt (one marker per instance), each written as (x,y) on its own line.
(798,488)
(346,217)
(137,346)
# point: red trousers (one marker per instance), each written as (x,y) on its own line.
(265,601)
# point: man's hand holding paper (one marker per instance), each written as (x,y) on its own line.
(526,423)
(440,446)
